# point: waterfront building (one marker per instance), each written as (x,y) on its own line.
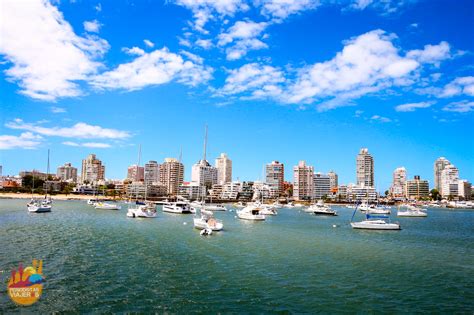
(192,191)
(152,173)
(449,181)
(365,168)
(67,173)
(135,173)
(274,177)
(342,193)
(361,193)
(464,189)
(156,189)
(204,174)
(171,175)
(321,186)
(36,173)
(397,190)
(92,170)
(224,169)
(261,190)
(303,181)
(231,191)
(135,189)
(216,192)
(246,192)
(333,181)
(417,188)
(439,166)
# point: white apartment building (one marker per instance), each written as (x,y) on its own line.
(365,168)
(224,169)
(397,190)
(333,180)
(67,173)
(417,188)
(449,181)
(230,191)
(464,189)
(135,173)
(92,169)
(439,166)
(321,186)
(274,177)
(361,193)
(152,172)
(192,191)
(303,181)
(204,174)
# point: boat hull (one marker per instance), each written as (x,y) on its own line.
(201,224)
(368,226)
(39,209)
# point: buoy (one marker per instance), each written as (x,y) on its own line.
(184,223)
(334,225)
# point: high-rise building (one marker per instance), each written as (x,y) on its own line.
(449,181)
(274,177)
(67,173)
(303,181)
(171,175)
(397,190)
(92,169)
(464,189)
(203,173)
(439,166)
(152,172)
(224,169)
(417,188)
(321,186)
(333,181)
(135,173)
(365,168)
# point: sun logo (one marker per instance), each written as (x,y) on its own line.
(26,284)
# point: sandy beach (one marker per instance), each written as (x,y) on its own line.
(54,197)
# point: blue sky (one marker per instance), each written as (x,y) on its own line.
(273,79)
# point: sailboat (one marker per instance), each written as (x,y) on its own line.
(38,206)
(141,209)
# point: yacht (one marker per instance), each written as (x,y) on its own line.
(323,210)
(208,222)
(180,207)
(373,209)
(142,211)
(37,206)
(317,207)
(239,204)
(290,205)
(374,222)
(412,211)
(106,206)
(214,207)
(251,212)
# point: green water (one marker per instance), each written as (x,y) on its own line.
(102,261)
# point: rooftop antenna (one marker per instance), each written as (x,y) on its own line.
(205,144)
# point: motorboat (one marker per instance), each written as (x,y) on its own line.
(412,211)
(325,211)
(37,206)
(214,207)
(290,205)
(179,207)
(268,211)
(142,211)
(239,204)
(92,202)
(208,222)
(319,206)
(106,206)
(251,212)
(374,222)
(373,209)
(197,204)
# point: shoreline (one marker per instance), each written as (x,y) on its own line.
(53,197)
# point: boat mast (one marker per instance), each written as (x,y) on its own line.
(138,168)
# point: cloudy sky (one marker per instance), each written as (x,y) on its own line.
(279,80)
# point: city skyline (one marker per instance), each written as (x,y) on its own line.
(252,73)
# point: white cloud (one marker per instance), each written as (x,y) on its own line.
(47,58)
(57,110)
(192,56)
(411,107)
(26,140)
(460,107)
(459,86)
(98,7)
(154,68)
(262,80)
(80,130)
(133,51)
(98,145)
(431,53)
(361,4)
(380,119)
(184,42)
(244,34)
(149,43)
(204,43)
(281,9)
(205,10)
(92,26)
(386,7)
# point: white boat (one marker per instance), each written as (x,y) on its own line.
(319,206)
(179,207)
(374,222)
(141,211)
(214,207)
(268,211)
(106,206)
(290,205)
(324,211)
(373,209)
(208,222)
(251,213)
(38,206)
(239,204)
(197,204)
(412,211)
(92,201)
